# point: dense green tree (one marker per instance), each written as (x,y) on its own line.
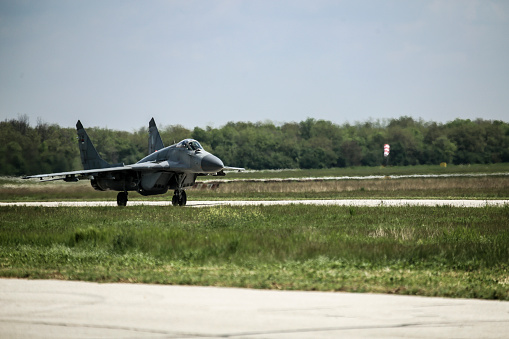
(264,145)
(470,140)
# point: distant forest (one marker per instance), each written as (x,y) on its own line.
(311,143)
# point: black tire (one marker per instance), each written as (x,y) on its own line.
(122,199)
(175,200)
(183,198)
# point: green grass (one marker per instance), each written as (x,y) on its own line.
(484,187)
(431,251)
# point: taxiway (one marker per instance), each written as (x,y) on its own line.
(342,202)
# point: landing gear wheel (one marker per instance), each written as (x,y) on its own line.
(175,199)
(183,198)
(122,199)
(179,198)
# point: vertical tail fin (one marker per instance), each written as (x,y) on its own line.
(89,156)
(155,143)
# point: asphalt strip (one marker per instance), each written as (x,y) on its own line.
(344,202)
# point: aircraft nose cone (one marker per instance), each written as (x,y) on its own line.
(211,163)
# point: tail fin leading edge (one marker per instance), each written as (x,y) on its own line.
(89,156)
(155,143)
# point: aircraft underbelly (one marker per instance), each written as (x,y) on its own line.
(104,184)
(155,181)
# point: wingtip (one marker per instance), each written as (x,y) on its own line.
(79,125)
(152,123)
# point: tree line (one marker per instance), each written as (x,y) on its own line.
(48,148)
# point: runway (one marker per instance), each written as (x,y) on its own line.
(343,202)
(69,309)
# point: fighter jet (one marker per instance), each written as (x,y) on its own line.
(174,167)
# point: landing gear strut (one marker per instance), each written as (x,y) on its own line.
(122,199)
(179,198)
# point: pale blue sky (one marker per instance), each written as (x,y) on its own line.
(116,64)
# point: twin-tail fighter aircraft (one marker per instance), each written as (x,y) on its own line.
(174,167)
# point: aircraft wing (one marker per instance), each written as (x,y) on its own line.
(79,173)
(142,167)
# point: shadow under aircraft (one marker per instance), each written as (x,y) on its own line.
(165,168)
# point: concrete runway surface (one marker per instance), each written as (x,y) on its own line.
(69,309)
(343,202)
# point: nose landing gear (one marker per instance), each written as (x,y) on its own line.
(179,198)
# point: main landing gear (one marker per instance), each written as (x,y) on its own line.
(122,199)
(179,198)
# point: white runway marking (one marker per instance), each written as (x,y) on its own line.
(345,202)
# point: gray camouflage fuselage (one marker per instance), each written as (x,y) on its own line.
(163,169)
(173,167)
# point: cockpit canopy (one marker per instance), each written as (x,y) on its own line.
(190,144)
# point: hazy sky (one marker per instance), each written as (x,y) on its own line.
(116,64)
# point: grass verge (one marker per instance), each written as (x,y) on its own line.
(430,251)
(492,187)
